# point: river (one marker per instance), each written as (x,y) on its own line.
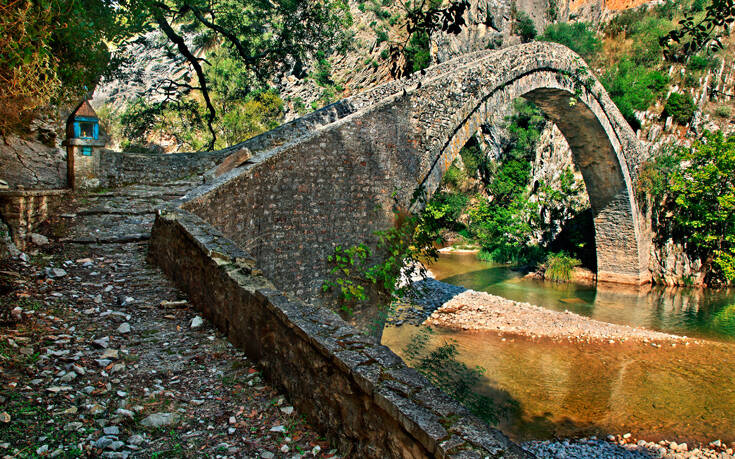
(550,389)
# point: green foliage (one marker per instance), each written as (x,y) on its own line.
(580,37)
(559,267)
(51,51)
(700,62)
(240,119)
(443,211)
(504,231)
(698,6)
(454,378)
(418,52)
(524,126)
(680,107)
(697,31)
(633,87)
(693,194)
(524,27)
(362,275)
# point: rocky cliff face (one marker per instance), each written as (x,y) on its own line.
(35,160)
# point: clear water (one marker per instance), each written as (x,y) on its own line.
(693,312)
(549,389)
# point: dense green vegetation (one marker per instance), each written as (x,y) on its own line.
(491,203)
(558,267)
(680,107)
(580,37)
(693,196)
(51,52)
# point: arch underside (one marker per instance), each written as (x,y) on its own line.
(599,152)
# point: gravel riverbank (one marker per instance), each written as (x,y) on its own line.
(480,311)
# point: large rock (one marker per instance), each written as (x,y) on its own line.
(31,163)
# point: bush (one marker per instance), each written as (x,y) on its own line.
(560,266)
(418,51)
(693,195)
(723,111)
(579,37)
(524,27)
(680,107)
(633,87)
(698,62)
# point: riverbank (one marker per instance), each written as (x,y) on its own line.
(479,311)
(625,447)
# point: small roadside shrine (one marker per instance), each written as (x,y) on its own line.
(83,145)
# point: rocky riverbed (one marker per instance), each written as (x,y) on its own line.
(480,311)
(625,447)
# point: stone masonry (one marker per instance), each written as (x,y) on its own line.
(289,205)
(250,245)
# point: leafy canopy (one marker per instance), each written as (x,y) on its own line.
(693,190)
(51,52)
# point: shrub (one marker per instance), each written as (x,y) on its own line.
(693,195)
(418,51)
(723,111)
(560,266)
(579,37)
(633,87)
(699,62)
(680,107)
(524,27)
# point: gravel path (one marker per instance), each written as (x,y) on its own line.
(101,356)
(624,447)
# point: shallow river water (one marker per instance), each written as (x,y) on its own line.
(548,389)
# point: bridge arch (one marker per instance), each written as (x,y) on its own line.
(604,149)
(295,199)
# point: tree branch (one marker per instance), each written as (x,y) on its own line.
(178,40)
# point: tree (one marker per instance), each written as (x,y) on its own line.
(694,35)
(51,52)
(267,38)
(422,18)
(524,27)
(693,194)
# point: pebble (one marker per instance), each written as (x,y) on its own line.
(196,322)
(136,440)
(158,420)
(124,328)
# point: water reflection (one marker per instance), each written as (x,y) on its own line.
(692,312)
(681,393)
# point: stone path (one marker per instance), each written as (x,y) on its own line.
(100,355)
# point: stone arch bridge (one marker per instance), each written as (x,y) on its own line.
(288,196)
(250,245)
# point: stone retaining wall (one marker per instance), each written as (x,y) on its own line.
(359,393)
(24,210)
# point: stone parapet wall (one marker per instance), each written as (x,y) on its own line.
(359,393)
(119,168)
(23,211)
(290,205)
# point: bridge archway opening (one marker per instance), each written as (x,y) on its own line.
(597,151)
(517,170)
